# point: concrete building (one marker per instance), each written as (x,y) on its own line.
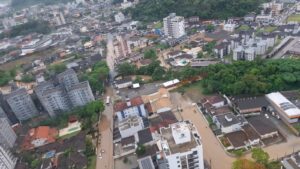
(59,18)
(68,78)
(130,107)
(130,126)
(55,101)
(21,104)
(146,163)
(286,109)
(292,161)
(7,160)
(67,94)
(229,26)
(174,26)
(121,47)
(2,113)
(229,122)
(7,134)
(80,94)
(180,147)
(119,17)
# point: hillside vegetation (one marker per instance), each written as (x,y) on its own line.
(26,3)
(153,10)
(256,77)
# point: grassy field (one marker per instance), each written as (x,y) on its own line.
(294,18)
(193,91)
(243,28)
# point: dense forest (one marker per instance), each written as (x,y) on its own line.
(33,26)
(153,10)
(255,77)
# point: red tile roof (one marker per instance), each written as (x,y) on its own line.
(123,105)
(42,132)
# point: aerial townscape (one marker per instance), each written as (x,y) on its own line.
(149,84)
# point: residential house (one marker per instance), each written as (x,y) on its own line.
(229,122)
(40,136)
(263,126)
(130,126)
(130,107)
(159,101)
(250,105)
(123,83)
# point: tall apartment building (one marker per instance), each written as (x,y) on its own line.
(68,78)
(67,94)
(174,26)
(55,101)
(7,134)
(7,160)
(180,147)
(59,18)
(80,94)
(121,47)
(21,104)
(2,113)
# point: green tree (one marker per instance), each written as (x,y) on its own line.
(210,28)
(209,47)
(89,148)
(140,150)
(260,156)
(150,54)
(56,68)
(27,78)
(126,69)
(200,55)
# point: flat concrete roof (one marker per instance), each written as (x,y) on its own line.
(284,104)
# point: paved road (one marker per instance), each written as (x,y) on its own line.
(106,121)
(106,137)
(213,152)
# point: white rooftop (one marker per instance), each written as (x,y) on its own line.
(284,104)
(181,133)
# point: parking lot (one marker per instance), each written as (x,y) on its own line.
(145,89)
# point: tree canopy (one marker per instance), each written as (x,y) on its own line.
(153,10)
(97,76)
(256,77)
(33,26)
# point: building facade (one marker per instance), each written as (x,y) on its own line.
(7,134)
(67,94)
(181,146)
(80,94)
(21,104)
(7,160)
(68,78)
(55,101)
(174,26)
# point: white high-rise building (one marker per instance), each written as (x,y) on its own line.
(119,17)
(7,135)
(180,147)
(7,160)
(174,26)
(59,18)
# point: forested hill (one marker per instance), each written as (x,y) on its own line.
(26,3)
(153,10)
